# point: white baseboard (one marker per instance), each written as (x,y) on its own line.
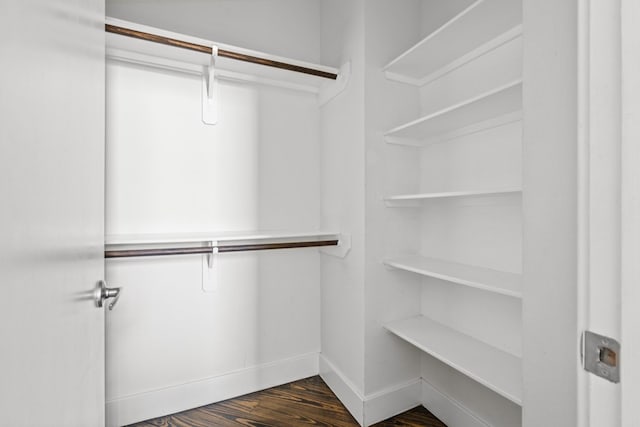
(392,401)
(449,410)
(343,388)
(156,403)
(368,410)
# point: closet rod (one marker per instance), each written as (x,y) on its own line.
(221,52)
(127,253)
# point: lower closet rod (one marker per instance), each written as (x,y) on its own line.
(127,253)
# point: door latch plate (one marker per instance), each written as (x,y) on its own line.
(601,356)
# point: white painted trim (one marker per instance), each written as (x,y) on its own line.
(392,401)
(582,220)
(343,388)
(449,410)
(373,408)
(630,224)
(155,403)
(599,209)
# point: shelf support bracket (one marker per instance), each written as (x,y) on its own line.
(209,90)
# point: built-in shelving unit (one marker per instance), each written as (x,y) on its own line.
(459,61)
(495,281)
(501,105)
(491,367)
(476,30)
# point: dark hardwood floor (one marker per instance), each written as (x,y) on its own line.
(305,402)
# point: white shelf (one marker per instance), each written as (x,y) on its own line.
(480,27)
(450,194)
(235,237)
(128,49)
(495,281)
(504,101)
(492,123)
(491,367)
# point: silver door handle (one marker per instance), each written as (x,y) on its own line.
(103,293)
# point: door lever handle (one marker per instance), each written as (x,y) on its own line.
(103,293)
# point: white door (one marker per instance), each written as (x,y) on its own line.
(51,212)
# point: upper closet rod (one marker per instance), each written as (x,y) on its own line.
(221,52)
(127,253)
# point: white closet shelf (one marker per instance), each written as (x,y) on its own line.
(490,280)
(451,194)
(146,52)
(228,237)
(479,28)
(489,366)
(492,123)
(498,106)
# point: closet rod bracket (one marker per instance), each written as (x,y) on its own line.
(209,274)
(212,255)
(341,249)
(209,90)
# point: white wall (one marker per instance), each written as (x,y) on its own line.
(342,199)
(364,362)
(550,335)
(390,169)
(434,12)
(168,172)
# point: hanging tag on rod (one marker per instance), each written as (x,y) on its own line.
(209,90)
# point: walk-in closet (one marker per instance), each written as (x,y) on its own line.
(398,204)
(411,152)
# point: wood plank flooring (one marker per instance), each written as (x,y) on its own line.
(308,402)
